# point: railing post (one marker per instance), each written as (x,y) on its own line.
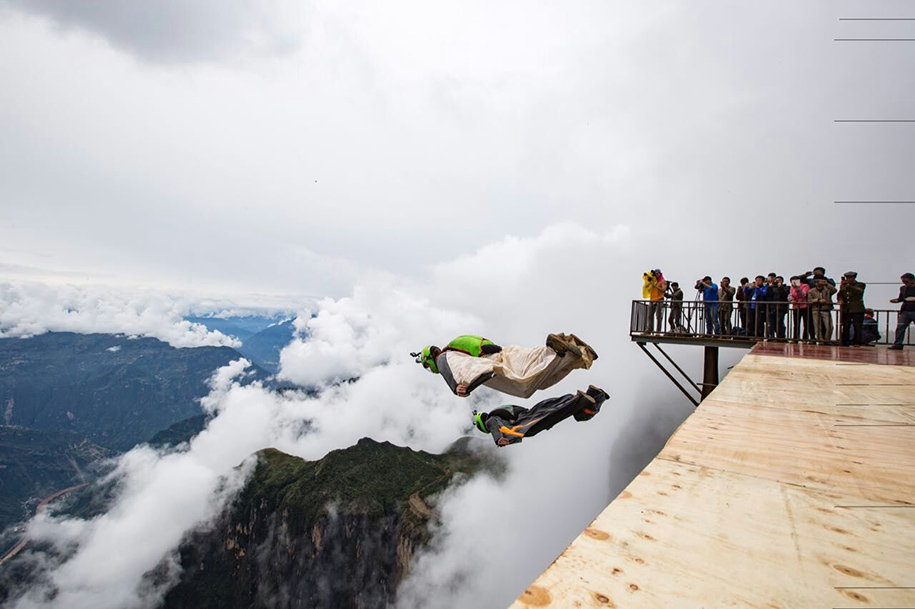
(710,371)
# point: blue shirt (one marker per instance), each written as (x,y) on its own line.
(757,294)
(710,293)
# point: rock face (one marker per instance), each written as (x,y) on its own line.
(339,532)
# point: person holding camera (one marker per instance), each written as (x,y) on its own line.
(778,308)
(710,300)
(757,303)
(819,301)
(653,290)
(851,308)
(743,307)
(810,277)
(675,319)
(726,305)
(797,296)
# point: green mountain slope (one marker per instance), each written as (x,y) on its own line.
(338,532)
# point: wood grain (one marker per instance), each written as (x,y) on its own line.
(791,486)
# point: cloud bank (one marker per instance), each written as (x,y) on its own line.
(366,337)
(28,309)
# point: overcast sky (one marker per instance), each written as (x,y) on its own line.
(505,168)
(284,147)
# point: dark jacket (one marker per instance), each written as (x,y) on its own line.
(742,296)
(851,296)
(870,332)
(676,299)
(726,296)
(779,294)
(906,292)
(511,424)
(810,279)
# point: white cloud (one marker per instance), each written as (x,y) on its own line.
(368,336)
(29,309)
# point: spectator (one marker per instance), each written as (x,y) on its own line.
(653,290)
(757,300)
(742,296)
(778,307)
(725,305)
(870,331)
(797,296)
(710,299)
(851,307)
(769,307)
(819,301)
(907,311)
(810,277)
(676,308)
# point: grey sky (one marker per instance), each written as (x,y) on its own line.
(305,149)
(397,135)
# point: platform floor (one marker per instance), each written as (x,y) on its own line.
(792,485)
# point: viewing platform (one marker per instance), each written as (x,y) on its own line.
(715,324)
(791,485)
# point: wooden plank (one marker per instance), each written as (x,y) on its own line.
(780,490)
(870,463)
(714,535)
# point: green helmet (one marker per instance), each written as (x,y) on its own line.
(425,358)
(479,421)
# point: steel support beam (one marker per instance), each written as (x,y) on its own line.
(710,371)
(669,375)
(691,382)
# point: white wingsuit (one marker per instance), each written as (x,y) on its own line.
(517,371)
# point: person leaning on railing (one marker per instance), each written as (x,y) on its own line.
(907,311)
(851,308)
(819,301)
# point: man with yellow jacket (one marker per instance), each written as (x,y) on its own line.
(653,290)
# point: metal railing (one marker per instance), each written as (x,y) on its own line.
(762,321)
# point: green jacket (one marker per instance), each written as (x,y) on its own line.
(474,346)
(851,296)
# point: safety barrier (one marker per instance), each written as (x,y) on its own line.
(760,321)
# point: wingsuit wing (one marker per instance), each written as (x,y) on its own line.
(520,371)
(462,369)
(521,423)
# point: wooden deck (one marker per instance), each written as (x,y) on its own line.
(792,485)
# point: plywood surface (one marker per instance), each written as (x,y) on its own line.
(791,486)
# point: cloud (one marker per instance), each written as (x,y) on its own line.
(495,535)
(28,309)
(381,323)
(172,31)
